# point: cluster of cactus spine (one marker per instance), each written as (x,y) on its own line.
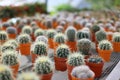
(59,29)
(11,30)
(116,37)
(40,48)
(83,34)
(105,45)
(95,28)
(5,73)
(3,35)
(12,42)
(82,72)
(6,24)
(84,46)
(59,38)
(24,76)
(43,65)
(27,30)
(75,59)
(62,51)
(71,33)
(95,59)
(38,32)
(23,38)
(51,33)
(42,38)
(101,35)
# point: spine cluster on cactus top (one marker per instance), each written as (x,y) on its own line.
(11,30)
(12,42)
(42,38)
(83,34)
(27,30)
(59,38)
(62,51)
(95,28)
(3,35)
(38,32)
(116,37)
(51,33)
(95,59)
(75,59)
(43,65)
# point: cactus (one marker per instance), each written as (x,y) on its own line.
(83,34)
(43,65)
(40,48)
(71,33)
(24,76)
(3,35)
(48,23)
(84,46)
(10,58)
(62,51)
(39,32)
(11,30)
(59,29)
(101,35)
(105,45)
(75,59)
(23,38)
(13,42)
(116,37)
(27,30)
(82,72)
(59,38)
(6,25)
(51,33)
(95,28)
(95,59)
(5,73)
(42,38)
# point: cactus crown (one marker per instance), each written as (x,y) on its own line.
(48,23)
(12,42)
(27,30)
(84,46)
(24,76)
(59,38)
(71,33)
(100,35)
(5,72)
(38,32)
(75,59)
(10,58)
(11,30)
(95,28)
(83,34)
(24,38)
(51,33)
(95,59)
(82,72)
(40,48)
(105,45)
(3,35)
(116,37)
(42,38)
(43,65)
(62,51)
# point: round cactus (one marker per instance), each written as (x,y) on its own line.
(11,30)
(40,48)
(43,65)
(62,51)
(75,59)
(116,37)
(3,35)
(12,42)
(95,28)
(6,25)
(84,46)
(83,34)
(59,38)
(51,33)
(42,38)
(59,29)
(48,23)
(95,59)
(27,30)
(38,32)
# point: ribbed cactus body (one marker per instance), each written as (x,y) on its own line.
(38,32)
(95,59)
(83,34)
(7,47)
(3,35)
(59,38)
(27,30)
(51,33)
(11,30)
(12,42)
(116,37)
(95,28)
(48,23)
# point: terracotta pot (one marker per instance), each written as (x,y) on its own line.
(51,43)
(109,37)
(34,56)
(96,68)
(4,19)
(74,78)
(15,69)
(12,36)
(105,54)
(25,49)
(116,46)
(72,45)
(69,69)
(60,63)
(46,76)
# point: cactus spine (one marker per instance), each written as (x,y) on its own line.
(59,38)
(116,37)
(27,30)
(11,30)
(83,34)
(3,35)
(38,32)
(51,33)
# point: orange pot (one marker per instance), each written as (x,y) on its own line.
(69,69)
(25,49)
(60,63)
(15,69)
(116,46)
(93,37)
(55,46)
(74,78)
(72,45)
(12,36)
(4,19)
(34,56)
(51,43)
(109,37)
(105,54)
(46,76)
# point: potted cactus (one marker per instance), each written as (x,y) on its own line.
(105,49)
(73,60)
(48,24)
(3,37)
(5,26)
(60,57)
(12,32)
(39,49)
(44,67)
(24,76)
(38,32)
(116,42)
(27,30)
(10,58)
(24,41)
(96,64)
(6,73)
(71,39)
(42,38)
(82,73)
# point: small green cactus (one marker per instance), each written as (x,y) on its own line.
(48,23)
(43,65)
(27,30)
(95,59)
(13,42)
(83,34)
(95,28)
(116,37)
(75,59)
(3,35)
(62,51)
(11,30)
(51,33)
(101,35)
(84,46)
(42,38)
(40,48)
(105,45)
(59,38)
(38,32)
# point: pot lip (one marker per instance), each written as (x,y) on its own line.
(46,74)
(59,57)
(102,63)
(104,50)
